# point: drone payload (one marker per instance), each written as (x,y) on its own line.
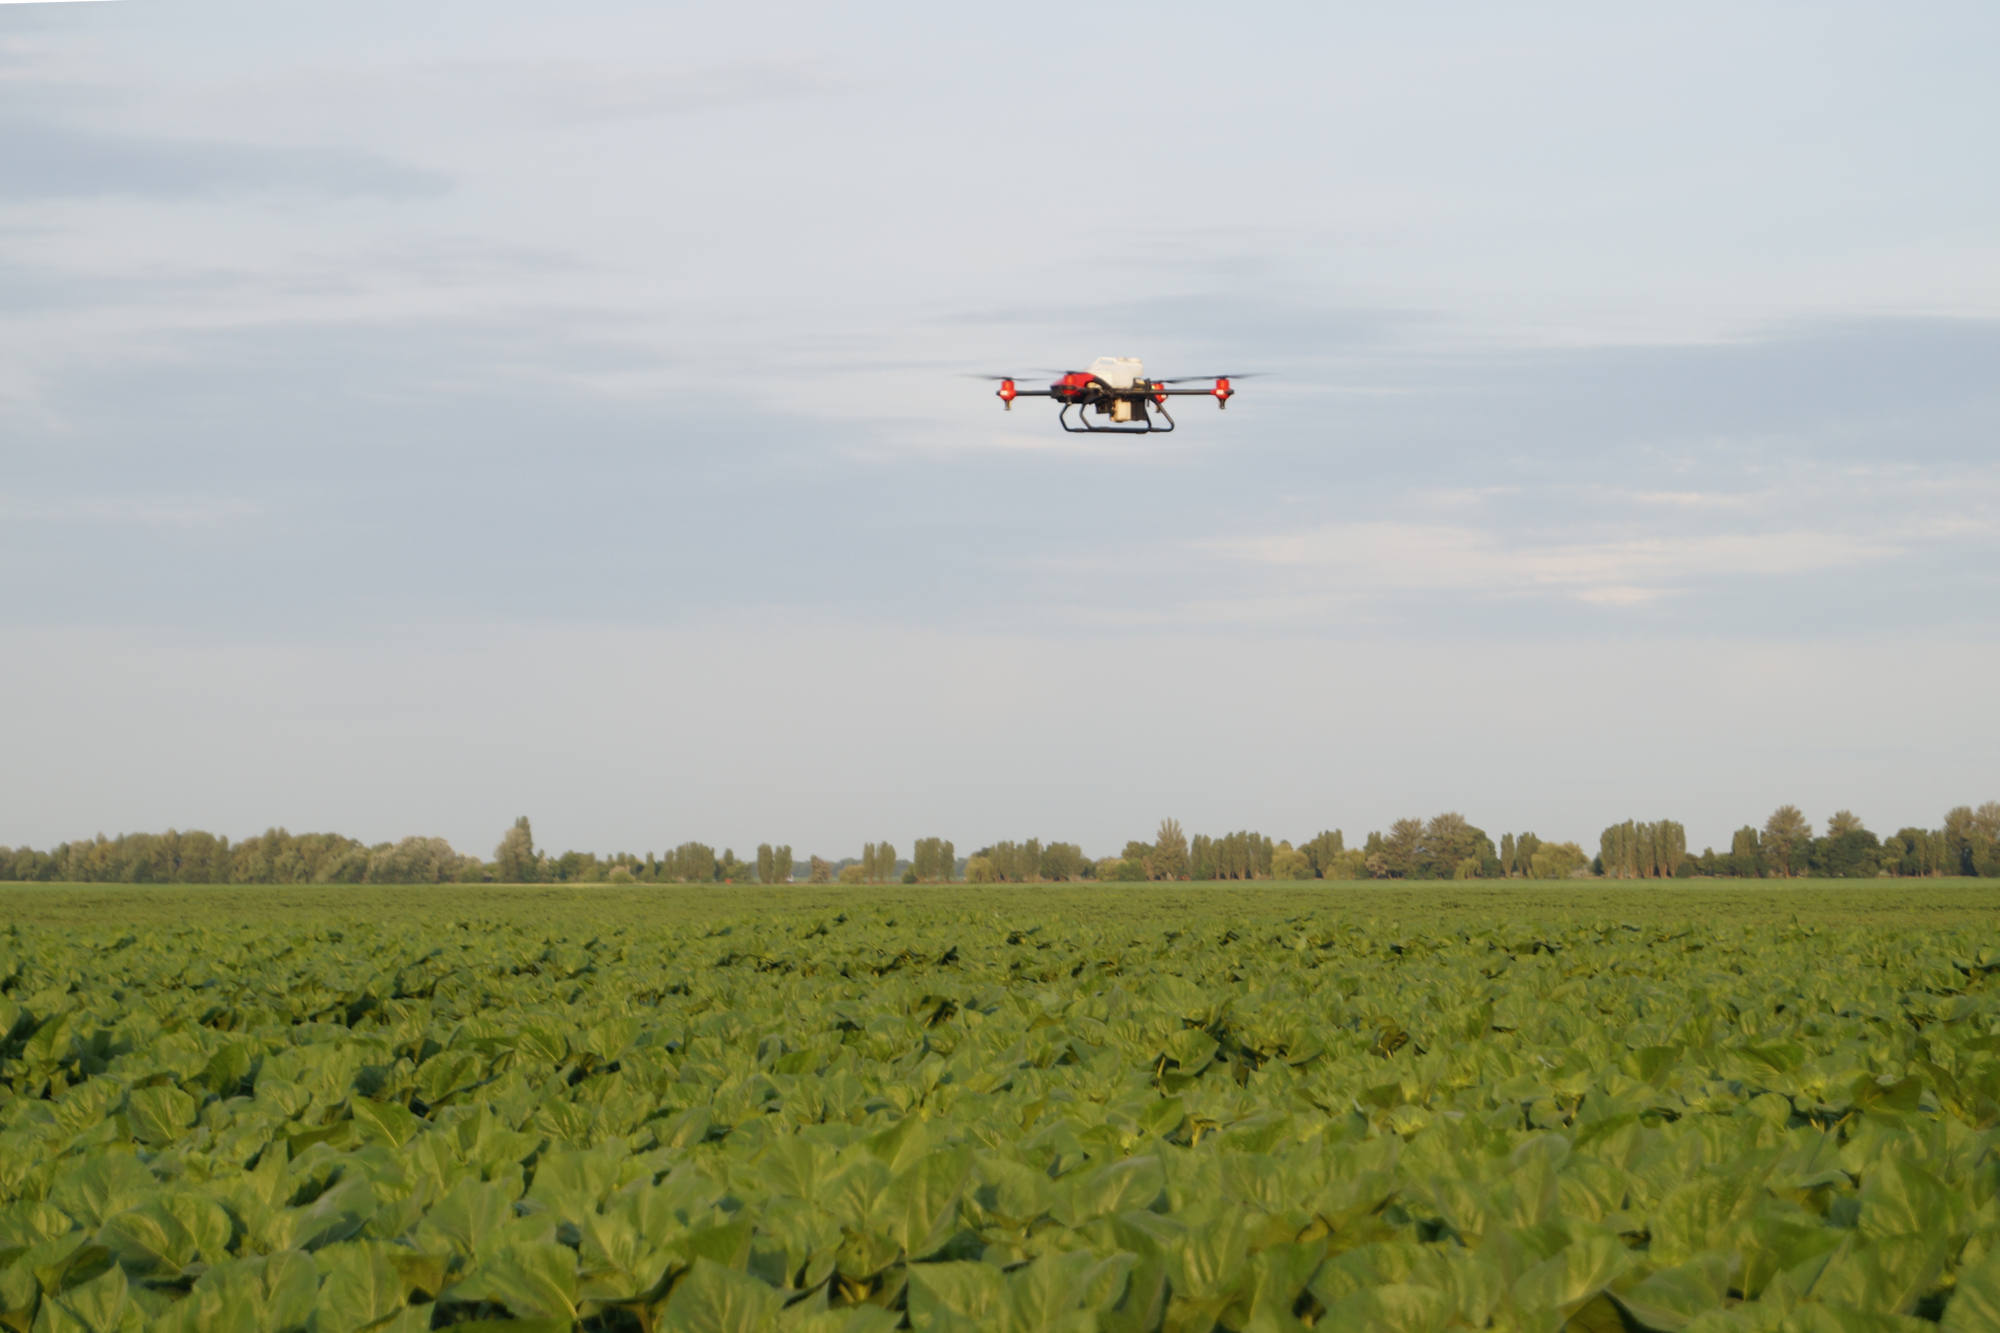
(1116,387)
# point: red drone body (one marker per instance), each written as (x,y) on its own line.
(1116,387)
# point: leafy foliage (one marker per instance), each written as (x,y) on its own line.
(1002,1110)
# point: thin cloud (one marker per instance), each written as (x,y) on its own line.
(170,513)
(47,161)
(1386,557)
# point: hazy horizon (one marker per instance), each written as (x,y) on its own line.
(411,420)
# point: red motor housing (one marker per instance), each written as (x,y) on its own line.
(1006,394)
(1072,386)
(1223,393)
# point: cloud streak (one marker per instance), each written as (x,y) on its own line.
(1362,560)
(40,160)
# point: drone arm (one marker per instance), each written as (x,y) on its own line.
(1220,391)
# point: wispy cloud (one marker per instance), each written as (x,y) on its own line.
(1354,562)
(1393,556)
(51,161)
(157,512)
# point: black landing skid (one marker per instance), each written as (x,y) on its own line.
(1144,426)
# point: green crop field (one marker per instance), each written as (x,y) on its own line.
(1664,1106)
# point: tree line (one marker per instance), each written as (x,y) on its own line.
(1445,846)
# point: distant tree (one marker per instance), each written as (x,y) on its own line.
(1323,851)
(1014,862)
(691,863)
(1916,852)
(1447,842)
(1636,850)
(1670,848)
(1201,857)
(1958,839)
(1239,855)
(1854,853)
(1786,838)
(781,864)
(1986,840)
(514,860)
(854,873)
(1843,821)
(1403,847)
(767,864)
(935,860)
(866,872)
(1746,853)
(1170,851)
(1972,840)
(1288,862)
(1349,863)
(979,870)
(411,861)
(885,861)
(1556,860)
(1062,861)
(820,871)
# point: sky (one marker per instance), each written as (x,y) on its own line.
(416,416)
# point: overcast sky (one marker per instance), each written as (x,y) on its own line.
(416,415)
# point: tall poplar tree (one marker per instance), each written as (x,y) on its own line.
(514,858)
(1170,851)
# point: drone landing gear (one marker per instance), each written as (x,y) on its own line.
(1147,428)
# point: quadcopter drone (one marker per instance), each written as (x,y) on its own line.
(1115,387)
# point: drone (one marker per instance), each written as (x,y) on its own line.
(1115,387)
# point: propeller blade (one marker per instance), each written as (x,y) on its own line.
(1189,379)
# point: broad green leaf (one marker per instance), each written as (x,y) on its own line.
(164,1235)
(93,1188)
(159,1115)
(712,1299)
(967,1291)
(1393,1308)
(469,1219)
(1974,1306)
(853,1319)
(920,1205)
(1669,1298)
(1572,1275)
(385,1122)
(359,1287)
(532,1280)
(1117,1187)
(267,1294)
(1899,1198)
(101,1305)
